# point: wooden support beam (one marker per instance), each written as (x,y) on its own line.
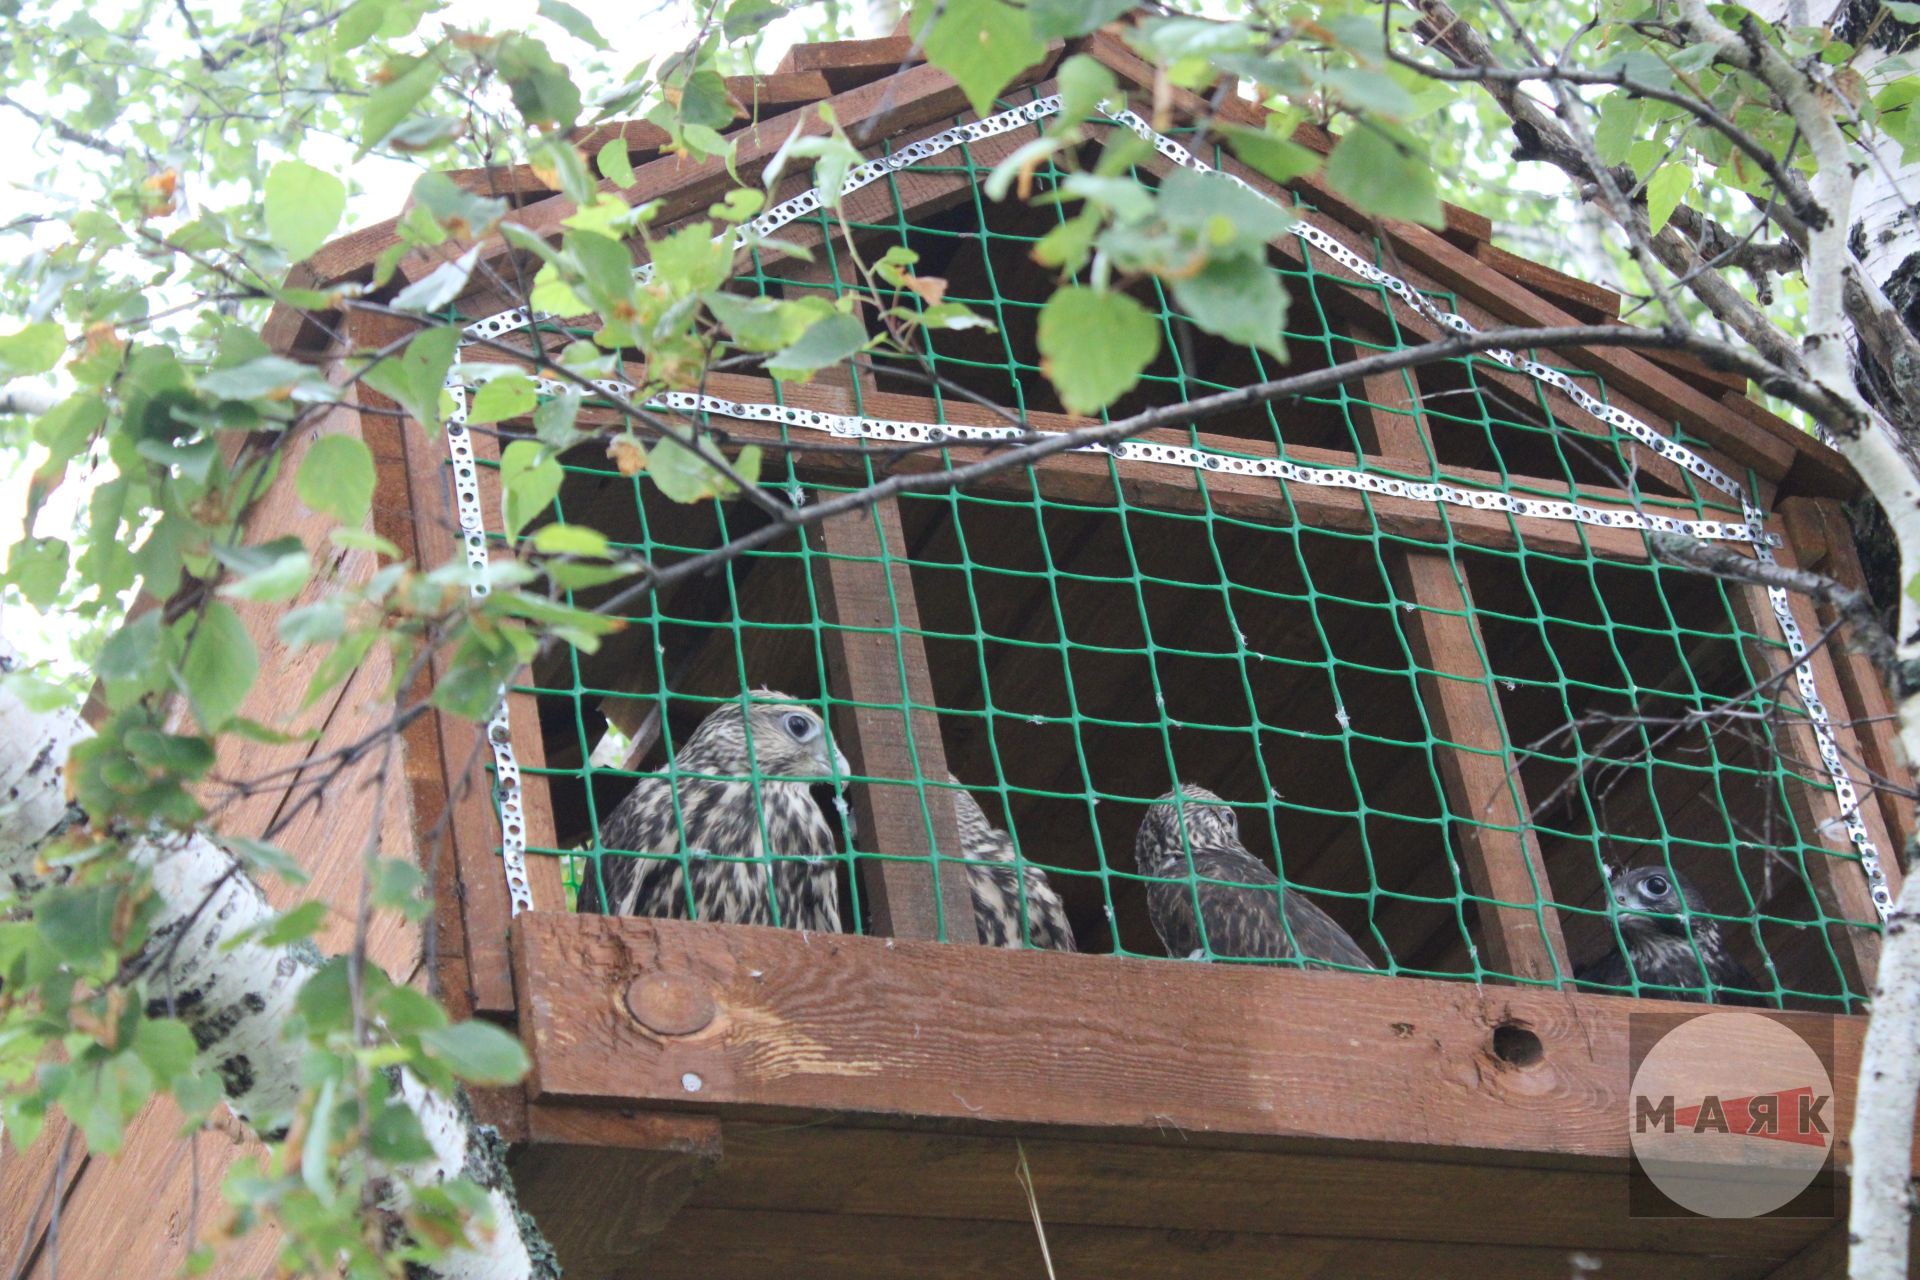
(804,1026)
(879,669)
(602,1184)
(1493,817)
(449,775)
(1823,541)
(1838,885)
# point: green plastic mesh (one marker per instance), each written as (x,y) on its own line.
(1090,640)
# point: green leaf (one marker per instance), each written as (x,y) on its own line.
(570,540)
(1085,83)
(296,925)
(704,100)
(1094,345)
(1665,189)
(265,376)
(1063,19)
(573,22)
(38,567)
(322,622)
(439,287)
(166,1046)
(744,17)
(766,324)
(1274,157)
(174,753)
(827,341)
(1385,174)
(77,920)
(325,1000)
(303,206)
(219,668)
(336,478)
(530,479)
(34,349)
(1619,126)
(134,652)
(1237,298)
(393,101)
(396,1138)
(614,163)
(357,25)
(512,395)
(982,44)
(477,1052)
(681,475)
(415,378)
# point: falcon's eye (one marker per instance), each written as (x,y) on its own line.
(803,728)
(1656,886)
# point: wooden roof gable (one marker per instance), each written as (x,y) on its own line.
(882,90)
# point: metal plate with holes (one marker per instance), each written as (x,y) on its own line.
(1752,532)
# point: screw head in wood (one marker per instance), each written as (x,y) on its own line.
(671,1004)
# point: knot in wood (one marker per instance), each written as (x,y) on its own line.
(670,1004)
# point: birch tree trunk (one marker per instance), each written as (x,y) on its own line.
(235,997)
(1883,234)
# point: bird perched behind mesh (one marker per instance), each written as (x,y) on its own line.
(1659,948)
(997,889)
(727,871)
(1238,921)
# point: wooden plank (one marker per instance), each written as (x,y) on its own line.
(1503,863)
(913,98)
(1819,470)
(1823,541)
(1759,445)
(1092,477)
(878,666)
(782,1245)
(1824,1259)
(465,817)
(847,64)
(1196,1182)
(601,1185)
(1839,886)
(1592,303)
(1096,1044)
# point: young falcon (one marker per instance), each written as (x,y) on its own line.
(1238,921)
(996,891)
(727,866)
(1659,948)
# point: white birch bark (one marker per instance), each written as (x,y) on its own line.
(1870,196)
(236,1000)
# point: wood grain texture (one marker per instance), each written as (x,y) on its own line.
(1501,852)
(601,1184)
(1823,541)
(835,1023)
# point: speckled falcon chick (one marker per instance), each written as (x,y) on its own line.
(727,867)
(997,888)
(1239,920)
(1659,946)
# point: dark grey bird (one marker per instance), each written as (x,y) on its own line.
(1656,909)
(1241,918)
(997,888)
(730,841)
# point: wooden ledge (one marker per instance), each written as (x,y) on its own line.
(811,1025)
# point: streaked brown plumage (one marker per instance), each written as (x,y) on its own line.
(997,889)
(727,874)
(1240,918)
(1659,943)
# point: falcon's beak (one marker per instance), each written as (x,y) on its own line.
(840,760)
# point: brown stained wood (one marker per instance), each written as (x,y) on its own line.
(782,1245)
(1837,883)
(1091,478)
(601,1183)
(1591,303)
(1759,444)
(847,64)
(1818,471)
(878,666)
(1176,1180)
(32,1183)
(868,113)
(1503,855)
(817,1024)
(1824,1259)
(1823,541)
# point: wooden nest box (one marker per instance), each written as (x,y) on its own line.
(1403,623)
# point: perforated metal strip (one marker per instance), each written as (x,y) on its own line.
(473,534)
(1754,532)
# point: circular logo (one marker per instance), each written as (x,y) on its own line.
(1731,1134)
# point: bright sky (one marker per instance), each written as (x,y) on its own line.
(636,32)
